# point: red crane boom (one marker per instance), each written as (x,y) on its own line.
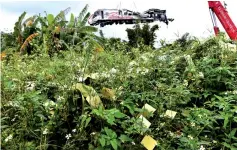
(217,9)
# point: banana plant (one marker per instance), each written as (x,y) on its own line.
(18,32)
(24,28)
(51,29)
(77,28)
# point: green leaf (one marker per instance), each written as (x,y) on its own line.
(108,131)
(4,126)
(226,121)
(87,121)
(41,116)
(114,144)
(232,133)
(227,145)
(102,142)
(72,20)
(125,138)
(50,19)
(111,120)
(82,14)
(118,114)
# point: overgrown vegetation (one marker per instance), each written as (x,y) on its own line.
(89,92)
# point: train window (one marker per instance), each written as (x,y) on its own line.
(96,14)
(125,13)
(120,12)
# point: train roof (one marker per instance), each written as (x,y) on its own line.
(114,9)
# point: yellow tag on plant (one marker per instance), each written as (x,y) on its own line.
(148,142)
(170,114)
(147,109)
(145,122)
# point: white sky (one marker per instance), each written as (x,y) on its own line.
(190,15)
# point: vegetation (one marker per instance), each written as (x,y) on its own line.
(146,35)
(71,89)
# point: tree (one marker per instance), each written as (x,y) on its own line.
(145,35)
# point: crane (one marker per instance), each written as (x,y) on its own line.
(217,9)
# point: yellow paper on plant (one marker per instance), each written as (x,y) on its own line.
(147,109)
(171,114)
(148,142)
(145,122)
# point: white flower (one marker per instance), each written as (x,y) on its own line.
(132,63)
(74,130)
(80,79)
(8,138)
(13,119)
(30,86)
(68,136)
(45,131)
(105,75)
(133,143)
(190,137)
(201,75)
(139,70)
(202,148)
(49,103)
(171,133)
(145,70)
(214,141)
(193,124)
(94,76)
(14,79)
(12,103)
(60,98)
(235,92)
(185,83)
(113,71)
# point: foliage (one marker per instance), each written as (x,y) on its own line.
(146,35)
(42,109)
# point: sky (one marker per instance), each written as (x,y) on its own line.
(190,16)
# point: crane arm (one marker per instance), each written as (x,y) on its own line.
(217,9)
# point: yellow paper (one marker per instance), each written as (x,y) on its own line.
(148,142)
(145,122)
(171,114)
(147,109)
